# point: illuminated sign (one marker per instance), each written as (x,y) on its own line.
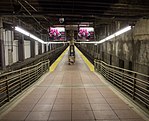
(86,33)
(57,33)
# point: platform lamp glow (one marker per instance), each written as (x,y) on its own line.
(22,31)
(116,34)
(28,34)
(111,36)
(34,37)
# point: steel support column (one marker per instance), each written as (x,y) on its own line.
(45,48)
(21,56)
(39,48)
(32,46)
(2,49)
(49,47)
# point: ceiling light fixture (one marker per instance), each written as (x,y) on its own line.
(28,34)
(87,42)
(56,42)
(22,31)
(116,34)
(34,37)
(111,36)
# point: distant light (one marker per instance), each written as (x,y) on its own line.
(123,31)
(56,42)
(116,34)
(101,41)
(111,36)
(36,38)
(88,42)
(22,31)
(29,34)
(81,25)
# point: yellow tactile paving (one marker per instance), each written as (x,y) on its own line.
(88,63)
(54,65)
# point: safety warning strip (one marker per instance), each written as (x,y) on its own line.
(54,65)
(88,63)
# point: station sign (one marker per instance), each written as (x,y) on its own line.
(86,33)
(57,33)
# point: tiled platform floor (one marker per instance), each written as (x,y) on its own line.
(72,93)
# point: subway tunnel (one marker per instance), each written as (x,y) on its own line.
(74,60)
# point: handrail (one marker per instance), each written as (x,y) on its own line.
(35,60)
(13,83)
(134,84)
(22,69)
(119,68)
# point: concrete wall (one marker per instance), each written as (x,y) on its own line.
(47,47)
(11,47)
(129,50)
(16,47)
(36,48)
(27,51)
(131,47)
(15,51)
(5,47)
(8,45)
(43,48)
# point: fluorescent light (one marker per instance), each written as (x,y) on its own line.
(29,34)
(101,41)
(22,31)
(88,42)
(109,37)
(36,38)
(116,34)
(33,37)
(106,39)
(56,42)
(123,30)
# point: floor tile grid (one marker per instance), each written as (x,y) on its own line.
(88,100)
(58,69)
(40,98)
(55,99)
(83,86)
(71,98)
(89,75)
(120,119)
(5,117)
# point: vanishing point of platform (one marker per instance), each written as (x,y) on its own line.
(71,93)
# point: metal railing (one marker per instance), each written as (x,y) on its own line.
(134,84)
(51,55)
(13,83)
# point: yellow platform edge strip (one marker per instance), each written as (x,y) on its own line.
(54,65)
(88,63)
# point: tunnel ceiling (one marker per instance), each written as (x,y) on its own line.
(47,12)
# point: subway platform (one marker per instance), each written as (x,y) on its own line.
(70,93)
